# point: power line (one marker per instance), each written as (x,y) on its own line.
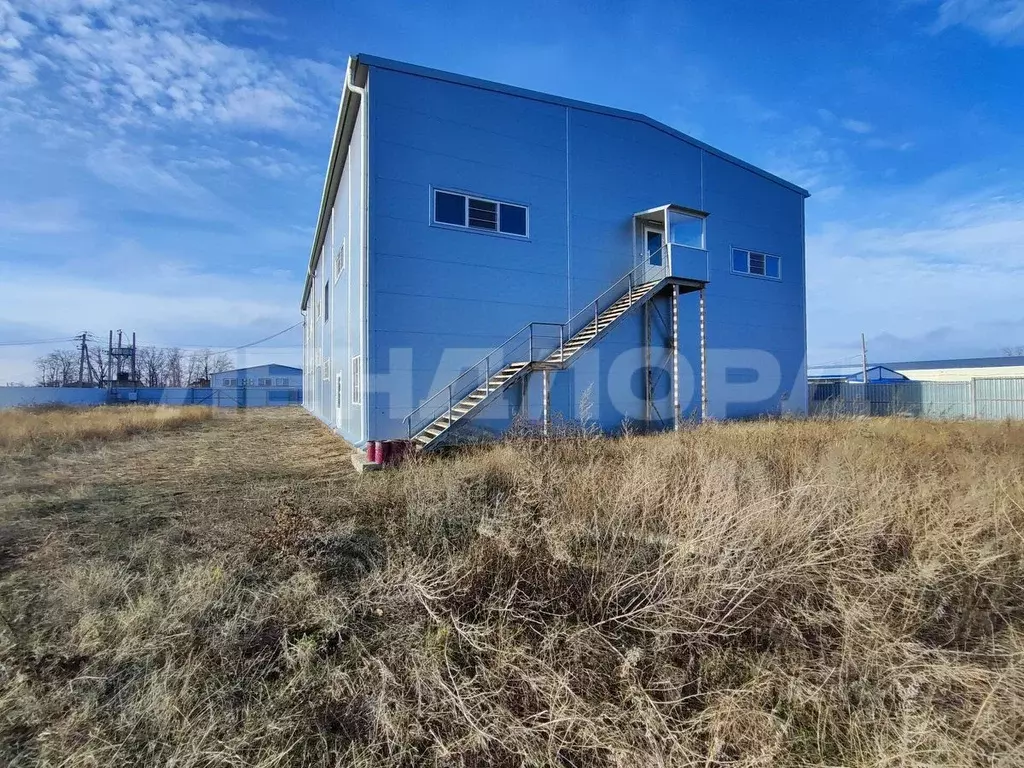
(840,363)
(35,343)
(93,338)
(254,343)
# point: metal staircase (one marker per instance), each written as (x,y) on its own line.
(538,346)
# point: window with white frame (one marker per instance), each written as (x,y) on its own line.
(281,382)
(327,302)
(357,390)
(340,379)
(756,263)
(263,382)
(455,209)
(686,229)
(339,259)
(229,382)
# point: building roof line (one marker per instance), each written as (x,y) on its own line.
(966,362)
(368,60)
(490,85)
(254,367)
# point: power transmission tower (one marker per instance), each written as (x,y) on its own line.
(125,357)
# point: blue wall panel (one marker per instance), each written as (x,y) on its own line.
(458,293)
(441,298)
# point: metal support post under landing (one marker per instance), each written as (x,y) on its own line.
(703,362)
(675,358)
(648,379)
(547,402)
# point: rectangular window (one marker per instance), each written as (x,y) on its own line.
(339,259)
(449,208)
(739,261)
(685,229)
(512,220)
(339,391)
(480,213)
(357,391)
(229,382)
(756,263)
(280,382)
(327,302)
(483,214)
(263,383)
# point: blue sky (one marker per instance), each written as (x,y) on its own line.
(161,161)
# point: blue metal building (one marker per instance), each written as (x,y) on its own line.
(484,252)
(259,376)
(877,374)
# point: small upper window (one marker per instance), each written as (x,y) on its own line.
(479,213)
(449,208)
(339,259)
(512,220)
(756,263)
(327,302)
(483,214)
(263,382)
(685,229)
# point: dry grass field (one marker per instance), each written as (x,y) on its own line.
(221,589)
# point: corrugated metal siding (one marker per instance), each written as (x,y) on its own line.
(999,398)
(444,298)
(961,374)
(981,398)
(221,397)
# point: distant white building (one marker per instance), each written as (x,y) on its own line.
(960,370)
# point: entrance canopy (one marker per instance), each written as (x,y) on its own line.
(682,239)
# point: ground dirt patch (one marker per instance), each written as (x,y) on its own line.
(229,592)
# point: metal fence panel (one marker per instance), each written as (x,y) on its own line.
(219,397)
(999,398)
(979,398)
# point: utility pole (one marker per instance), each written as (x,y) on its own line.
(110,361)
(83,351)
(864,358)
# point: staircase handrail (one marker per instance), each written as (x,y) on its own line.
(454,393)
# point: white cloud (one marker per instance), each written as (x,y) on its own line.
(1002,21)
(164,301)
(807,156)
(857,126)
(41,217)
(135,62)
(922,277)
(152,184)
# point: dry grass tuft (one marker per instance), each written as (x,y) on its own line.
(758,594)
(52,428)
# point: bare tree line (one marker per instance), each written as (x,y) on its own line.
(154,367)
